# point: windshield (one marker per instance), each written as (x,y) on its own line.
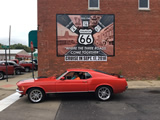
(61,75)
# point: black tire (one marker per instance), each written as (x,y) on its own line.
(17,72)
(35,68)
(103,93)
(27,69)
(1,75)
(36,95)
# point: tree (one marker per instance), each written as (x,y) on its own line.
(0,46)
(19,46)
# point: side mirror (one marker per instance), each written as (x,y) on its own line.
(62,78)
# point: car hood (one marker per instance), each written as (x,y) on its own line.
(26,80)
(31,80)
(45,79)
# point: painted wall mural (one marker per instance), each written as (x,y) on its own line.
(85,37)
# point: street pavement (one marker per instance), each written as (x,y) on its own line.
(133,104)
(141,100)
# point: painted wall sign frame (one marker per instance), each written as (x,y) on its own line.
(85,37)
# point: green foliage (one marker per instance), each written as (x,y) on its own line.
(120,72)
(158,78)
(19,46)
(0,46)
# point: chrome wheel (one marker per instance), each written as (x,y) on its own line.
(35,95)
(104,93)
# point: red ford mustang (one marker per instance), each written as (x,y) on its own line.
(73,80)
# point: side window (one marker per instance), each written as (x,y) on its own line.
(77,75)
(84,75)
(88,75)
(11,64)
(2,64)
(143,4)
(69,75)
(5,63)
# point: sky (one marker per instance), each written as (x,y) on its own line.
(22,16)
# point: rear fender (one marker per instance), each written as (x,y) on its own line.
(105,84)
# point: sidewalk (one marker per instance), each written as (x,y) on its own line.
(11,84)
(143,84)
(12,80)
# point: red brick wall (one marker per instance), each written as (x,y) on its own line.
(137,37)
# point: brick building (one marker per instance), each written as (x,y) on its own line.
(132,39)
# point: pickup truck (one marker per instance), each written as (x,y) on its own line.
(3,70)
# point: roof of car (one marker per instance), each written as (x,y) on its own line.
(8,61)
(80,69)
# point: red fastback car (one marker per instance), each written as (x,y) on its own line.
(73,80)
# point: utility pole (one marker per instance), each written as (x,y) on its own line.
(5,48)
(32,47)
(6,64)
(9,41)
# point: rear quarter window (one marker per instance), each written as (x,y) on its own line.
(87,75)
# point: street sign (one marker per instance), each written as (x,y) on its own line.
(5,46)
(33,37)
(31,46)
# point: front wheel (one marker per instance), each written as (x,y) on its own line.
(103,93)
(36,95)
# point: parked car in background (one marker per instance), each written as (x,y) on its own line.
(17,68)
(27,64)
(15,60)
(3,71)
(73,80)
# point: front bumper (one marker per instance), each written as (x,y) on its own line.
(17,90)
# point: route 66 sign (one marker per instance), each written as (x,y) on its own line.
(85,37)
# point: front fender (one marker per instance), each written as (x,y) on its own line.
(28,88)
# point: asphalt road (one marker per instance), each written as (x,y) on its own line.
(4,93)
(134,104)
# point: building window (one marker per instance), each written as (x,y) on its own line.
(143,5)
(93,4)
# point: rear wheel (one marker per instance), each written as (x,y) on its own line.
(1,75)
(36,95)
(103,93)
(27,69)
(18,72)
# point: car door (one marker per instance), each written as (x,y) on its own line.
(10,69)
(71,85)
